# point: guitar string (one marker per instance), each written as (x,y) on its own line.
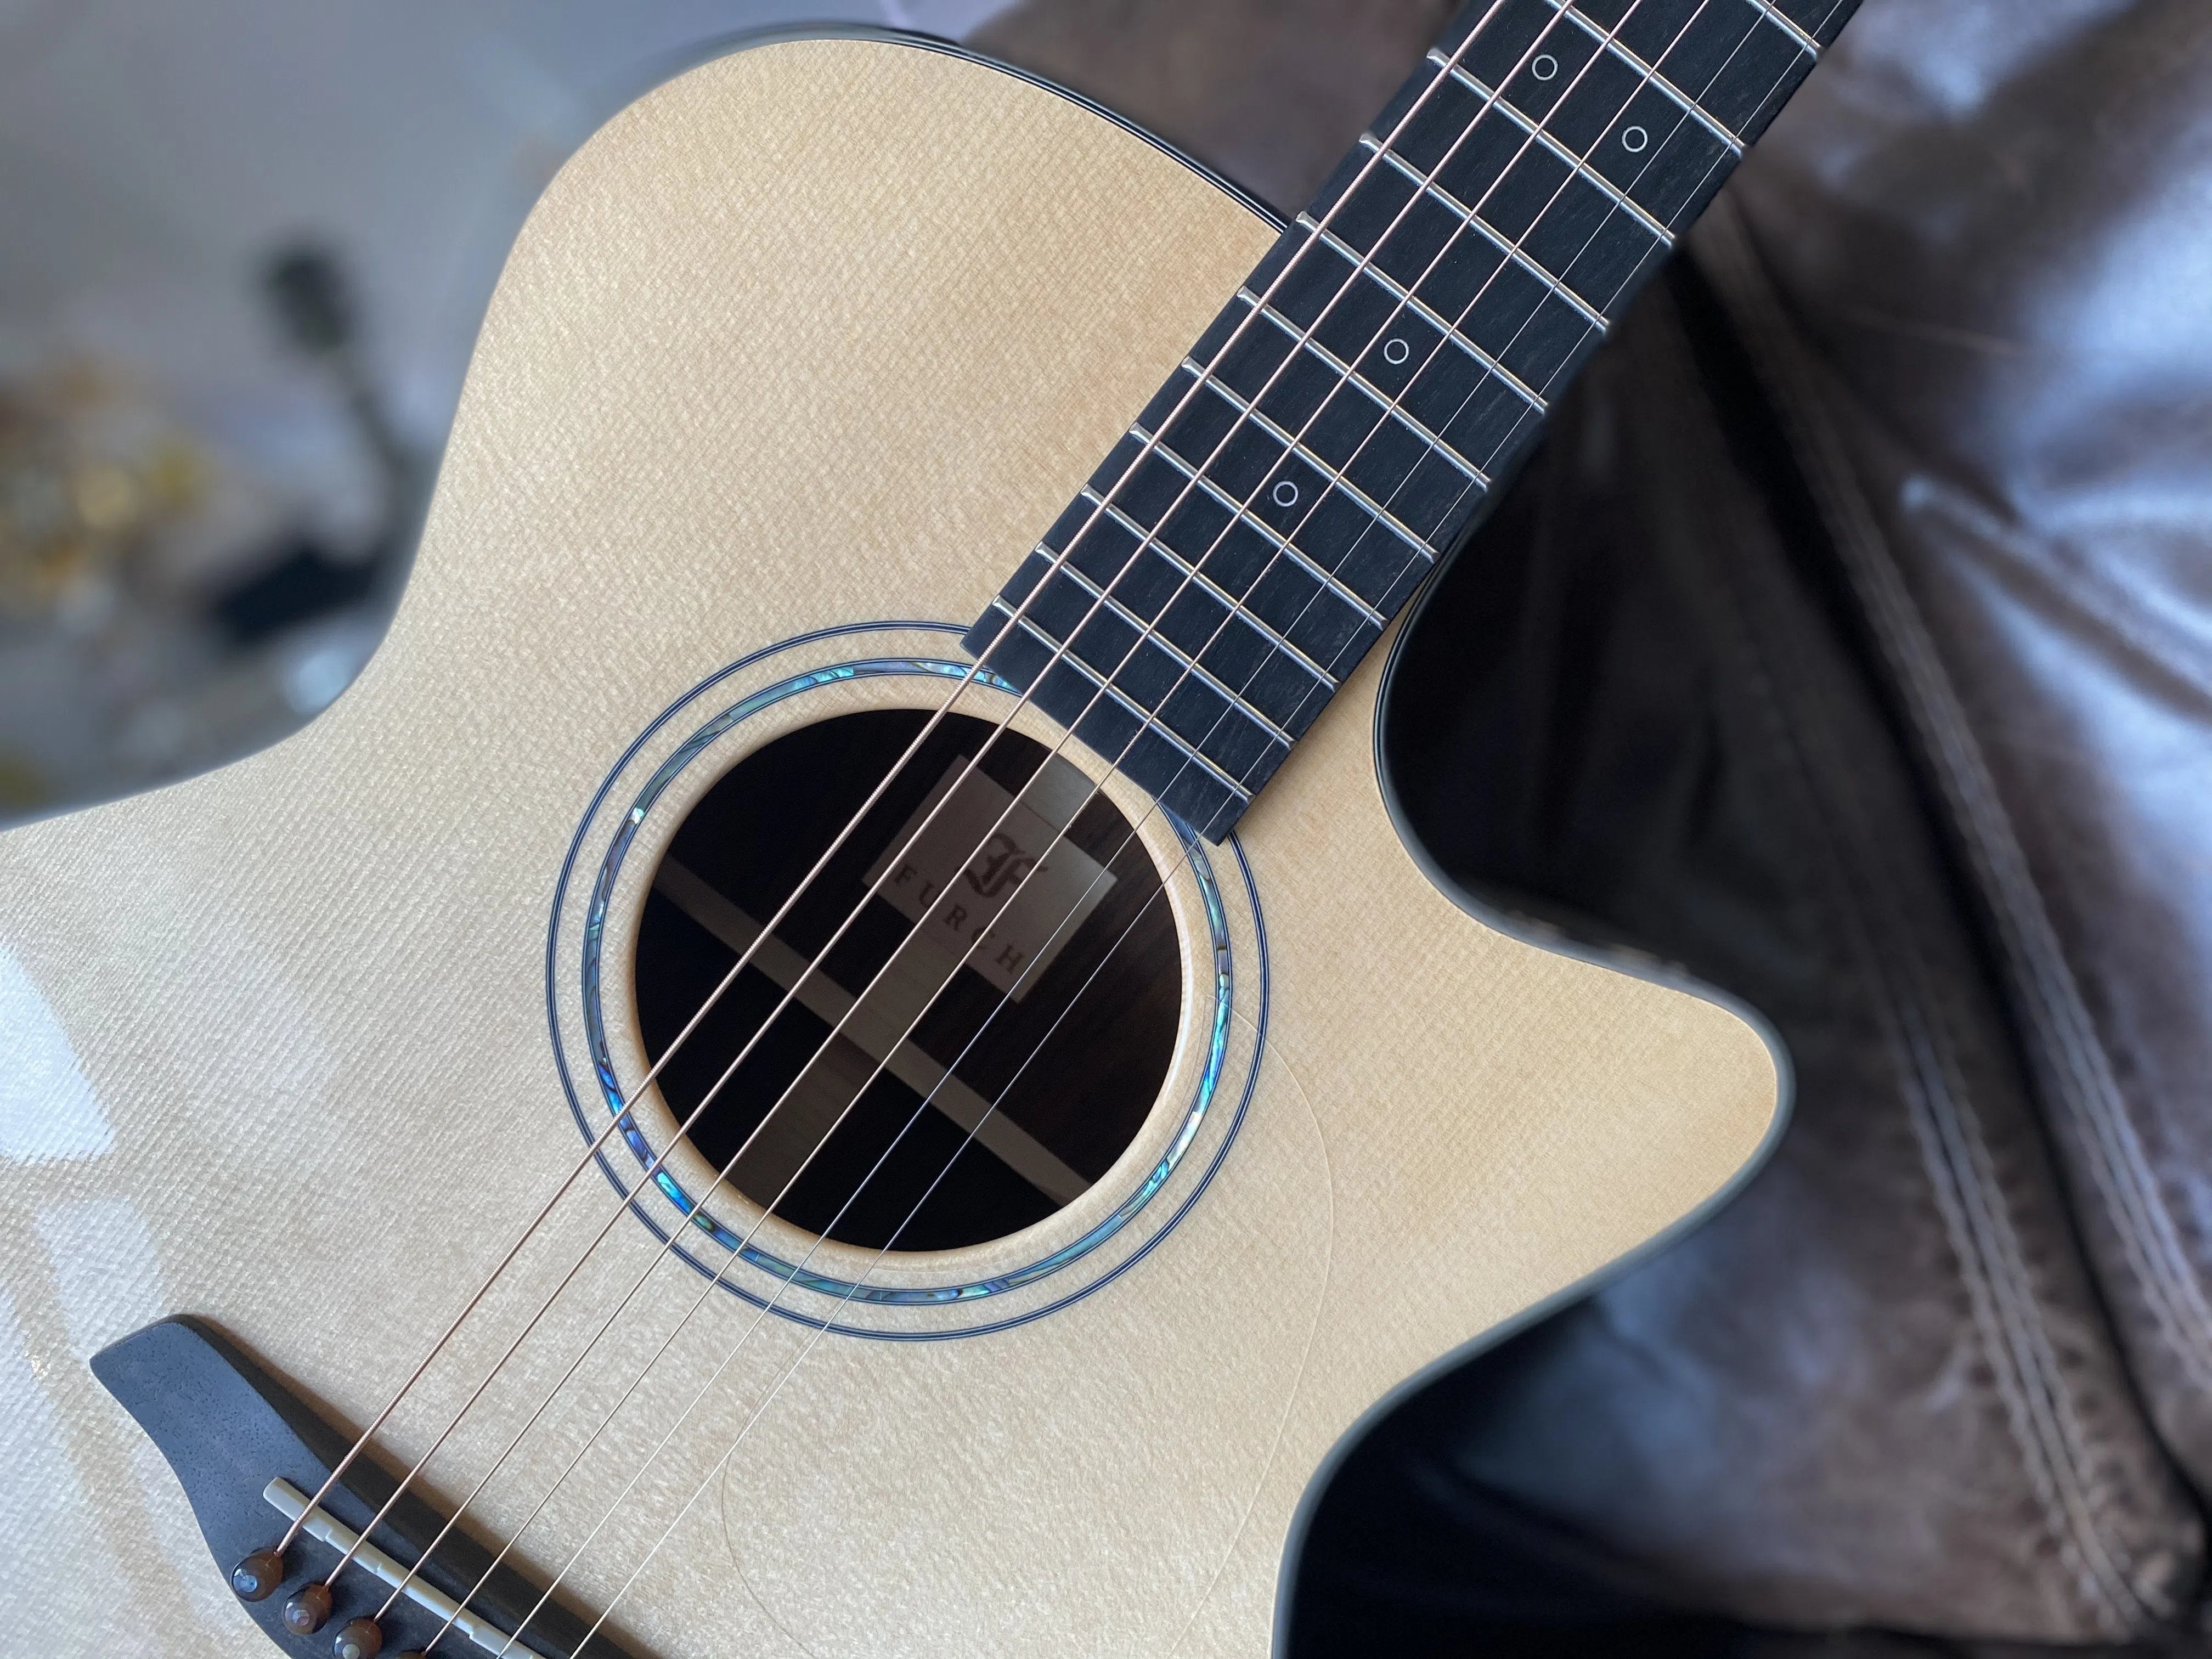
(820,1329)
(833,1129)
(735,1255)
(762,1313)
(614,1218)
(770,1208)
(651,1361)
(1455,235)
(617,1118)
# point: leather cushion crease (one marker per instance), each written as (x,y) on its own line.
(1850,642)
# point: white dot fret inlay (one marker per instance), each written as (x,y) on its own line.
(1285,494)
(1396,351)
(1544,67)
(1635,140)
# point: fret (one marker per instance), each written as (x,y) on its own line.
(1188,603)
(1677,46)
(1423,126)
(1275,693)
(1380,448)
(1098,711)
(1410,481)
(1116,689)
(1418,424)
(1161,474)
(1397,358)
(1339,426)
(1322,530)
(1579,235)
(1644,48)
(1514,318)
(1631,129)
(1260,568)
(1150,663)
(1821,20)
(1790,25)
(1731,62)
(1378,203)
(1187,439)
(1145,681)
(1262,589)
(1350,308)
(1238,645)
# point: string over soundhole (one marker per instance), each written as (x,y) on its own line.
(988,1034)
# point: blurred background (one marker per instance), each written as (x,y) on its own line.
(249,243)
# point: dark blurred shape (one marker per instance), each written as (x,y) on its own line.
(300,578)
(299,583)
(312,305)
(311,300)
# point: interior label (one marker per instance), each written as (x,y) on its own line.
(1023,891)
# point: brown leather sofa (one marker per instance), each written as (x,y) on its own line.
(1850,642)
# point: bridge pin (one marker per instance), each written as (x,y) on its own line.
(358,1638)
(304,1613)
(258,1575)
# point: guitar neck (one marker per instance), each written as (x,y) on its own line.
(1348,417)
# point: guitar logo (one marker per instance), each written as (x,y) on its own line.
(1002,864)
(1006,911)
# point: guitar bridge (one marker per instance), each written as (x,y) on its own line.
(247,1450)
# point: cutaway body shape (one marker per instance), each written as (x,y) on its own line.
(816,337)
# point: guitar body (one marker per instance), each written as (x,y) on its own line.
(799,353)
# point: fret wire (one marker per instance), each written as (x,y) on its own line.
(1411,301)
(1450,330)
(1651,75)
(1238,511)
(1491,233)
(1282,543)
(983,649)
(1419,549)
(1713,80)
(1712,124)
(1656,150)
(1153,637)
(654,1548)
(1293,446)
(1193,573)
(1146,718)
(1493,100)
(1689,111)
(1351,376)
(1697,100)
(1782,20)
(1528,124)
(1420,552)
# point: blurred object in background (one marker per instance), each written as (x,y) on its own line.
(249,245)
(164,607)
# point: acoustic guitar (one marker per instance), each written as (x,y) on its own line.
(839,1049)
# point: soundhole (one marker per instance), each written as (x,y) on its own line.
(989,1033)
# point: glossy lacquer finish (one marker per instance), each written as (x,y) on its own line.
(820,334)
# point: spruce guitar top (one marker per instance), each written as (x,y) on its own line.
(837,1051)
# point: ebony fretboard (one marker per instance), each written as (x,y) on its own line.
(1348,415)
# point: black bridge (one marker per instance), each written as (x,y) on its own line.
(229,1429)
